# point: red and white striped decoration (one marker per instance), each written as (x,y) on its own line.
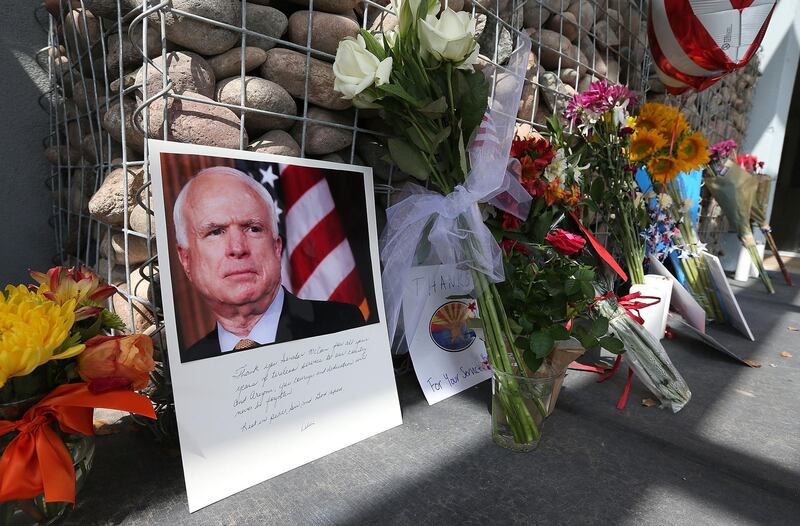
(318,261)
(697,42)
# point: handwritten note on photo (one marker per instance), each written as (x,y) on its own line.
(448,354)
(276,358)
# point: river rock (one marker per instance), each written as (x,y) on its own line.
(327,30)
(137,315)
(594,58)
(322,139)
(198,36)
(108,204)
(86,95)
(140,219)
(61,154)
(82,26)
(330,6)
(564,23)
(485,31)
(112,123)
(583,12)
(551,43)
(267,21)
(131,54)
(260,94)
(382,21)
(137,248)
(530,88)
(188,72)
(196,122)
(554,92)
(288,68)
(229,64)
(374,154)
(108,8)
(127,80)
(569,77)
(276,142)
(606,36)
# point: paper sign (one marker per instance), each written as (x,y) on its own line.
(448,355)
(733,313)
(314,372)
(682,301)
(679,325)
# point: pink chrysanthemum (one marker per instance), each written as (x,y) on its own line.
(598,99)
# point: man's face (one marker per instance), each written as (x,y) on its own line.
(232,257)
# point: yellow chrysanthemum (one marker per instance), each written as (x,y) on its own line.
(693,151)
(32,331)
(645,143)
(663,168)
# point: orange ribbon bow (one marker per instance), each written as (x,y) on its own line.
(36,461)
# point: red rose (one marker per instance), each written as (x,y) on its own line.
(564,242)
(510,222)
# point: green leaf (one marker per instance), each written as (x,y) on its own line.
(559,332)
(612,344)
(571,286)
(373,46)
(434,109)
(541,344)
(600,326)
(597,189)
(587,289)
(416,138)
(396,90)
(462,155)
(408,159)
(472,99)
(532,361)
(73,339)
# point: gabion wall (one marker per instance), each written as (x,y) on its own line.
(252,76)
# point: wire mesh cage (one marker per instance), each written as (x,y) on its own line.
(258,77)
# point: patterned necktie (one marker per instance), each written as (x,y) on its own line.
(246,344)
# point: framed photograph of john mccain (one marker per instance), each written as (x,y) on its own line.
(270,283)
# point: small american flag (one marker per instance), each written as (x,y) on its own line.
(318,261)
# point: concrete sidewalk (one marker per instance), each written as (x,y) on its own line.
(732,456)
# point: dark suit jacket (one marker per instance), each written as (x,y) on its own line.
(299,319)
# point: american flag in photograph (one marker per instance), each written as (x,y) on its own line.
(318,261)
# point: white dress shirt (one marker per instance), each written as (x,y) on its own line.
(264,331)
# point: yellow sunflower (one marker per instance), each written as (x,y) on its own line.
(663,168)
(33,331)
(645,143)
(650,116)
(693,151)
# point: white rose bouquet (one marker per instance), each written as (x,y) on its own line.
(422,79)
(421,76)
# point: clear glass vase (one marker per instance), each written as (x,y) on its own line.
(519,406)
(36,510)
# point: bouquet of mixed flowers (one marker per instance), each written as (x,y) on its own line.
(613,152)
(56,365)
(601,115)
(734,185)
(664,144)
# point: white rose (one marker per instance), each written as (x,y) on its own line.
(450,37)
(356,69)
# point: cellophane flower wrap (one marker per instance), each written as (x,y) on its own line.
(48,340)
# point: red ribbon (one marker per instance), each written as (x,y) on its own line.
(632,308)
(599,248)
(36,461)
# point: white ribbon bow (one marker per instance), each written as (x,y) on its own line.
(428,228)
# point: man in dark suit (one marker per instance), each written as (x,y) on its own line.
(228,244)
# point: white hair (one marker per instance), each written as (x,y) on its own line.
(178,216)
